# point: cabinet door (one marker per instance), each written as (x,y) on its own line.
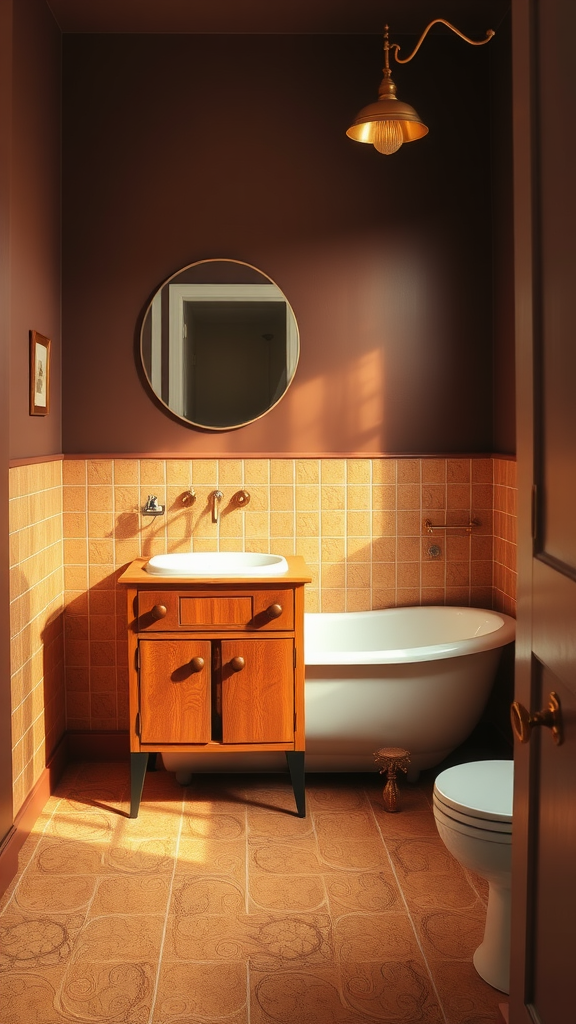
(257,691)
(175,691)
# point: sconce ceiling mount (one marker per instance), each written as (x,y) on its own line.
(388,123)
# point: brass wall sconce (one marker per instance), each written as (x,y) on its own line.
(389,122)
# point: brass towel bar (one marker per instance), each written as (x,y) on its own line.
(429,525)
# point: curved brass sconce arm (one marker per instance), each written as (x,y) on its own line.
(439,21)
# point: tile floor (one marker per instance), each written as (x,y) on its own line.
(218,904)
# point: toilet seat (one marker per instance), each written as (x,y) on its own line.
(478,797)
(480,791)
(477,828)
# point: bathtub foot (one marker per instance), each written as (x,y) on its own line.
(138,765)
(295,759)
(184,777)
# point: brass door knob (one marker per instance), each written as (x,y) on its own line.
(551,717)
(237,664)
(159,611)
(274,611)
(197,664)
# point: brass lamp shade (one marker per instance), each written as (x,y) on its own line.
(387,109)
(388,123)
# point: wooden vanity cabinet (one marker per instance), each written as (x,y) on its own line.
(216,665)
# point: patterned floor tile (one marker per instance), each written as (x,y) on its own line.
(429,875)
(465,997)
(212,856)
(212,824)
(107,992)
(279,857)
(312,996)
(287,892)
(29,998)
(190,992)
(202,894)
(47,894)
(352,854)
(121,894)
(37,940)
(325,794)
(280,824)
(449,934)
(116,938)
(54,856)
(393,992)
(366,891)
(267,941)
(363,938)
(140,856)
(345,824)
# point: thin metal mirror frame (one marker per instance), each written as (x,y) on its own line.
(148,311)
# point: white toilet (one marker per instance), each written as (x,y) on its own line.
(473,814)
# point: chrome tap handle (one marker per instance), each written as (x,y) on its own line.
(152,507)
(216,499)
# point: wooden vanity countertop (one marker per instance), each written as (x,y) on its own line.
(135,574)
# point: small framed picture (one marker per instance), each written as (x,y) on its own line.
(39,374)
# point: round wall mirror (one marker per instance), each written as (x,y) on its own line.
(219,344)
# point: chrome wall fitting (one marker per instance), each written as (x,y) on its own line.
(152,507)
(241,498)
(429,526)
(216,499)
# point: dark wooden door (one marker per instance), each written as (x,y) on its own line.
(544,836)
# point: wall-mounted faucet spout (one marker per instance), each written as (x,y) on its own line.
(216,499)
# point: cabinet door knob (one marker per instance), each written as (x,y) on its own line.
(197,664)
(274,611)
(159,611)
(237,664)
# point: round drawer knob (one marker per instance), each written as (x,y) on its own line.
(159,611)
(237,664)
(274,611)
(197,664)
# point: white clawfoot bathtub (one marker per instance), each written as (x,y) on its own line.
(417,678)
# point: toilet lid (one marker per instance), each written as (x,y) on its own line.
(479,789)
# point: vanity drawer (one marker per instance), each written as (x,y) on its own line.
(170,610)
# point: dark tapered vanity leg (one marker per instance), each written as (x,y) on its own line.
(295,759)
(151,767)
(138,764)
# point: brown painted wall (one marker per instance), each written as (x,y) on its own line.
(503,242)
(29,273)
(178,148)
(35,221)
(6,815)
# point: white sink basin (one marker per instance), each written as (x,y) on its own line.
(216,563)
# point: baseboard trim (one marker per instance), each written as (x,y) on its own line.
(98,746)
(31,809)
